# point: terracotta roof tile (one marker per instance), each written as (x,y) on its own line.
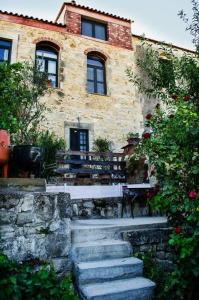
(96,10)
(31,18)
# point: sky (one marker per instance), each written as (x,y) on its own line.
(157,19)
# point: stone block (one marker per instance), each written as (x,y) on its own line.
(9,200)
(44,207)
(24,218)
(160,255)
(89,204)
(23,184)
(64,206)
(27,202)
(7,217)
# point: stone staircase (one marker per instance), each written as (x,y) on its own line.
(103,264)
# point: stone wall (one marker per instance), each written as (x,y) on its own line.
(36,226)
(107,208)
(152,240)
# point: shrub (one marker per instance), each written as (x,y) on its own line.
(21,282)
(173,149)
(51,143)
(101,145)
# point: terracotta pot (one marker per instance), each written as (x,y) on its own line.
(4,151)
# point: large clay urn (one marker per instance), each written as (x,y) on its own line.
(4,151)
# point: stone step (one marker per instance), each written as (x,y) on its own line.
(100,250)
(93,230)
(107,270)
(138,288)
(93,234)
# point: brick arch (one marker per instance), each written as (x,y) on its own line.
(98,51)
(47,39)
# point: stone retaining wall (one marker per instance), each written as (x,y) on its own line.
(36,226)
(106,208)
(153,240)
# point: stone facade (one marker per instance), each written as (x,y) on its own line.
(111,116)
(36,226)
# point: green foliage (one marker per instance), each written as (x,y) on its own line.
(193,26)
(132,135)
(51,144)
(21,87)
(172,147)
(162,78)
(101,145)
(156,273)
(20,282)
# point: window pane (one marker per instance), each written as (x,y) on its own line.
(95,62)
(100,88)
(48,54)
(5,43)
(90,73)
(100,31)
(52,67)
(4,54)
(40,64)
(53,80)
(100,75)
(86,28)
(90,87)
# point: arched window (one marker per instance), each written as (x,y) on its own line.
(47,61)
(96,75)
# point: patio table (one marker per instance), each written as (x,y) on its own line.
(131,193)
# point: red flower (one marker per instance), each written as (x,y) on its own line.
(174,96)
(186,98)
(147,135)
(178,229)
(149,116)
(193,195)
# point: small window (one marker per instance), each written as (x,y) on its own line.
(94,29)
(47,61)
(5,50)
(96,79)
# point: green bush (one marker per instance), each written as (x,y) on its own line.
(171,144)
(156,273)
(101,145)
(51,143)
(21,282)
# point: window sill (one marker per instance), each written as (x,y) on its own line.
(96,94)
(94,39)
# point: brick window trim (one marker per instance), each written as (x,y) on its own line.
(103,54)
(47,39)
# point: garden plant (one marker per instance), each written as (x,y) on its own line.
(171,144)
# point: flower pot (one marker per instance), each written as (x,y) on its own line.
(29,158)
(4,151)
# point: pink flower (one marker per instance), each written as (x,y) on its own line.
(193,195)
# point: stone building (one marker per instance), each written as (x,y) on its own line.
(86,53)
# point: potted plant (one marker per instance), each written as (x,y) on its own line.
(133,138)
